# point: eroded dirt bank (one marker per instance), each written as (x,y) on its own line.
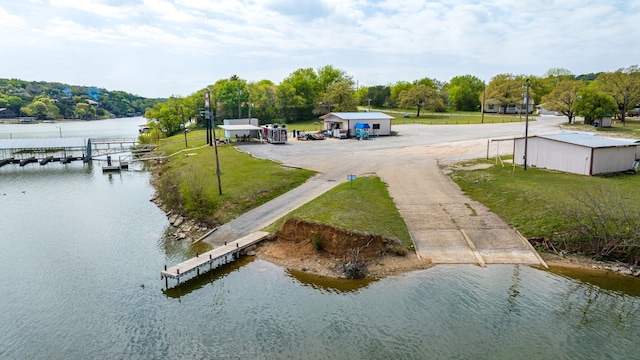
(292,246)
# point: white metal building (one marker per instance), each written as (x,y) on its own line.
(578,153)
(343,124)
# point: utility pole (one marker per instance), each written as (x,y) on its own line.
(484,96)
(207,114)
(526,125)
(212,117)
(215,146)
(239,104)
(184,127)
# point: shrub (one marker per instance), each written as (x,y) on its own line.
(354,266)
(167,189)
(606,224)
(316,240)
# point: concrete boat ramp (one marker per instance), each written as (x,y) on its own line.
(446,226)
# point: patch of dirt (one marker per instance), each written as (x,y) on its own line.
(292,247)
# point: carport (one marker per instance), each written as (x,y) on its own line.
(241,132)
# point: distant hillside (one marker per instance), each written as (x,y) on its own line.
(52,100)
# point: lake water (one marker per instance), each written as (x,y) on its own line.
(81,254)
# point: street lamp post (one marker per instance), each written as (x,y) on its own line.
(526,125)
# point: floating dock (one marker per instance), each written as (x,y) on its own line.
(211,259)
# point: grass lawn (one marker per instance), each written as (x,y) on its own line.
(366,207)
(246,182)
(629,130)
(537,202)
(456,119)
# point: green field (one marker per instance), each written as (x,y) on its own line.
(362,206)
(556,205)
(189,183)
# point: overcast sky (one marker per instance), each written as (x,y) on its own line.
(158,48)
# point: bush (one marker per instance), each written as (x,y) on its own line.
(606,224)
(167,189)
(354,266)
(316,240)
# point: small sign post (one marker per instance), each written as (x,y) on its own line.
(351,178)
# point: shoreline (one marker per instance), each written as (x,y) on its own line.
(389,265)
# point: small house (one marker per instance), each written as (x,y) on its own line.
(349,124)
(493,106)
(6,113)
(578,153)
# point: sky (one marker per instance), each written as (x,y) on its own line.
(160,48)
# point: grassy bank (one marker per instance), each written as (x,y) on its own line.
(597,214)
(629,130)
(366,207)
(188,182)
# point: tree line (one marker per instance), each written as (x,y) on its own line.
(52,100)
(308,93)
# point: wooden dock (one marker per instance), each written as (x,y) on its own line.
(211,259)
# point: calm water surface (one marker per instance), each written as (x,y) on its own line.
(81,254)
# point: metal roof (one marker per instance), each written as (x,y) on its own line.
(358,116)
(42,143)
(588,140)
(239,127)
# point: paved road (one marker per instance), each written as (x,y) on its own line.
(446,226)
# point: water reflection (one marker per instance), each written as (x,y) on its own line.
(207,278)
(328,284)
(591,306)
(606,280)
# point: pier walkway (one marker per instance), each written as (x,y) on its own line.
(64,150)
(211,259)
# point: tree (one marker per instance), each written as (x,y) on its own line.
(420,96)
(395,90)
(464,92)
(593,104)
(328,75)
(42,107)
(564,97)
(305,95)
(624,86)
(84,111)
(340,96)
(168,115)
(11,102)
(286,100)
(380,95)
(362,95)
(262,99)
(507,89)
(230,94)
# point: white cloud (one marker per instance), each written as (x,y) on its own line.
(10,21)
(95,7)
(378,42)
